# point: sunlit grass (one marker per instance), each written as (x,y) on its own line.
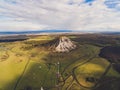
(40,38)
(10,70)
(41,70)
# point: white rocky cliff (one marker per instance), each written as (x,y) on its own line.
(65,45)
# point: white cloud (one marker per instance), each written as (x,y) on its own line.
(18,26)
(57,14)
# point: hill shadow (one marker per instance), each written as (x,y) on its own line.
(112,54)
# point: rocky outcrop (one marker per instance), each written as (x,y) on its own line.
(65,45)
(60,44)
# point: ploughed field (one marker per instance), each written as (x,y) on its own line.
(30,63)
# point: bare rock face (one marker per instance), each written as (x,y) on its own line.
(65,45)
(60,44)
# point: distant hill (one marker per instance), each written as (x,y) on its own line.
(32,32)
(57,31)
(13,38)
(111,33)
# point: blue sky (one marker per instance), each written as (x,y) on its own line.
(75,15)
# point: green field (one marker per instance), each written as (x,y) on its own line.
(27,65)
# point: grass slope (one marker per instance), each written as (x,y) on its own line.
(25,65)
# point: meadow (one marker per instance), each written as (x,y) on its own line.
(30,64)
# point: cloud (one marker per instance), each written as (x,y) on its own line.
(115,4)
(59,14)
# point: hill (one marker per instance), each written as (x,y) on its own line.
(32,63)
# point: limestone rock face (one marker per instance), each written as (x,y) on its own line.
(65,45)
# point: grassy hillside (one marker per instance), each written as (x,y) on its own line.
(28,65)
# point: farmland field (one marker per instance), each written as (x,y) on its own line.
(30,63)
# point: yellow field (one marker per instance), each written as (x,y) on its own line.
(25,65)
